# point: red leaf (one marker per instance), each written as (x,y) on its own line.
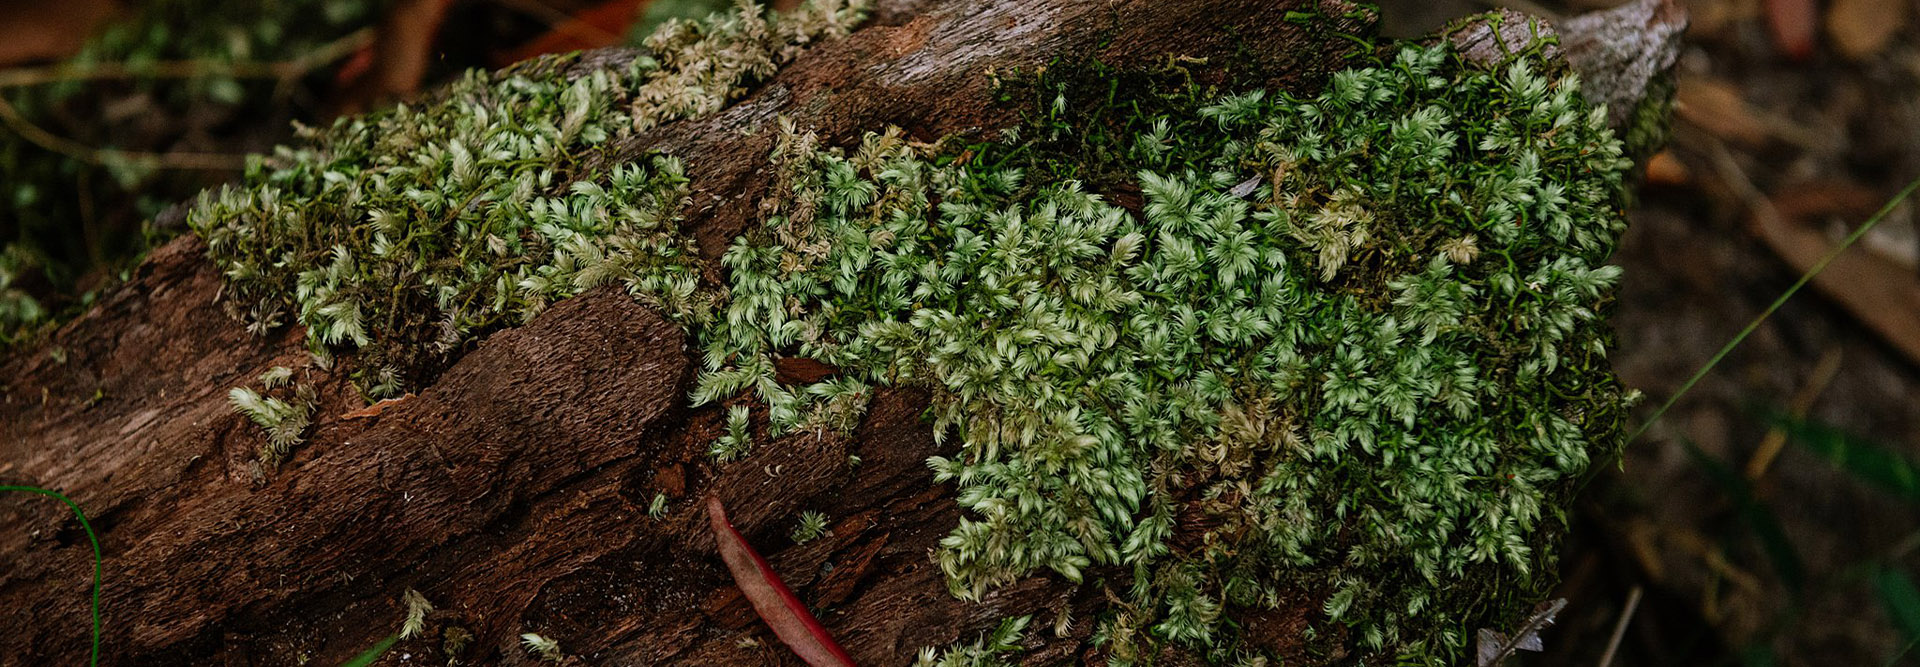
(396,62)
(1794,24)
(604,24)
(771,598)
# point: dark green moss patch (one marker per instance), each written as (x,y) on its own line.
(1217,345)
(1240,344)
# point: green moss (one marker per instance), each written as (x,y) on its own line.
(402,234)
(1649,126)
(1346,343)
(737,441)
(812,526)
(658,12)
(993,649)
(1214,347)
(284,418)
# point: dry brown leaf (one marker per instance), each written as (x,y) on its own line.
(604,24)
(1717,107)
(396,63)
(38,31)
(1713,21)
(801,370)
(771,599)
(1861,28)
(1878,291)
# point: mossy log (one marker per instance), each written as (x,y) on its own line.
(513,488)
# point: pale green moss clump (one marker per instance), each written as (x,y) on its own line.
(812,526)
(402,233)
(1348,343)
(284,418)
(994,649)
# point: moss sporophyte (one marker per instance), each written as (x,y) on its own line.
(1248,347)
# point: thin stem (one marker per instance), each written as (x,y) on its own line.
(1620,627)
(1778,302)
(91,539)
(108,156)
(179,69)
(1903,652)
(1776,438)
(186,69)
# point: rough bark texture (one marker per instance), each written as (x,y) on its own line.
(513,491)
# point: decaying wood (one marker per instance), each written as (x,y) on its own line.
(513,491)
(1622,51)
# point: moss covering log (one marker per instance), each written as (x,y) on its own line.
(1229,335)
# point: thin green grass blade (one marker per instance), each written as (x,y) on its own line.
(1901,599)
(91,539)
(1777,303)
(368,656)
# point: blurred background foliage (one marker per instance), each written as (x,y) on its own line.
(1772,518)
(117,111)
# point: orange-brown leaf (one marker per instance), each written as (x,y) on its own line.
(375,409)
(604,24)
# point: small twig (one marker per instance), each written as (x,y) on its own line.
(108,156)
(1620,627)
(186,69)
(1802,402)
(1542,617)
(1525,7)
(166,69)
(30,76)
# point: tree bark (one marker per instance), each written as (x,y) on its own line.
(513,491)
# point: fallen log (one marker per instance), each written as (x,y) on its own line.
(547,477)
